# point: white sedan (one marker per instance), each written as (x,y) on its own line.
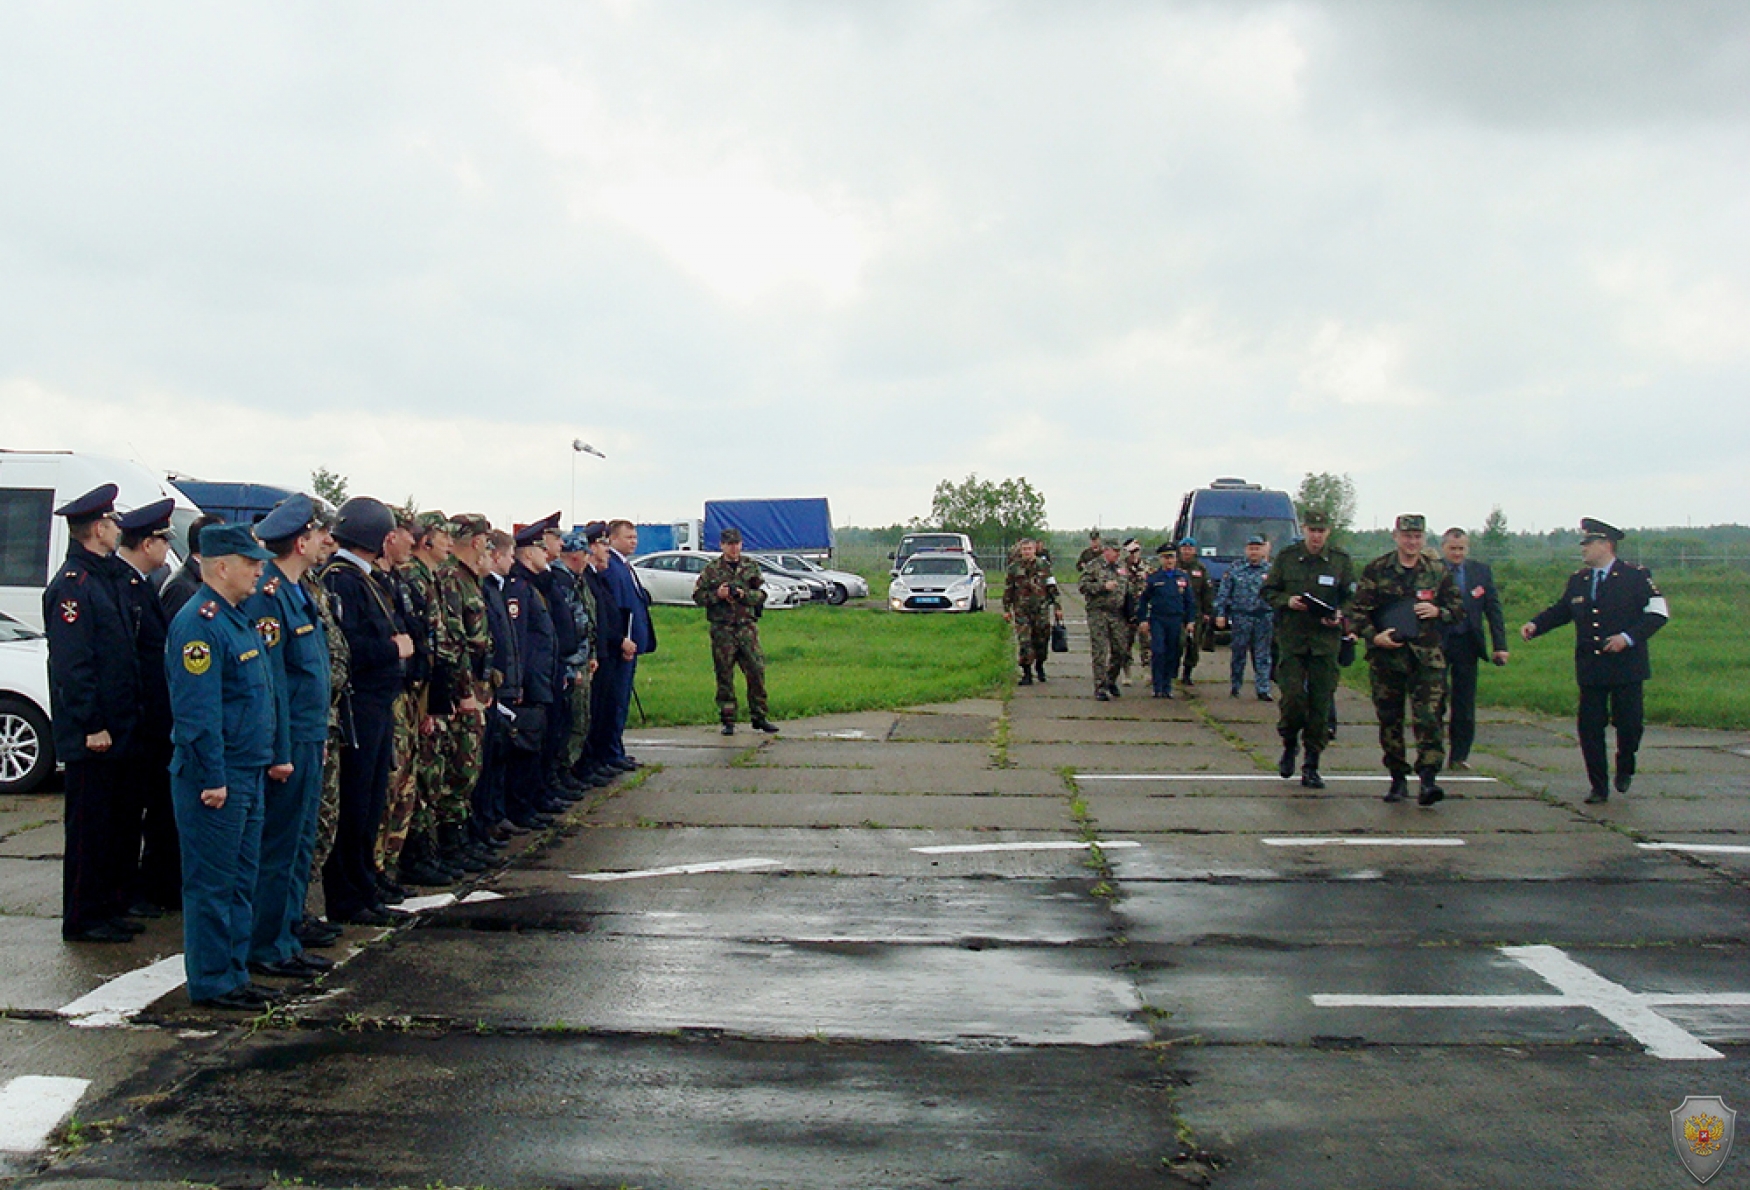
(670,575)
(27,751)
(845,585)
(938,583)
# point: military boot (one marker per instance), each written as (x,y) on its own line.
(1039,668)
(1285,762)
(1400,788)
(1026,676)
(1431,792)
(1309,771)
(417,867)
(452,846)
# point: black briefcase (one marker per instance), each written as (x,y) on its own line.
(1059,638)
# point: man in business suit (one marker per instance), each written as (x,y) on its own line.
(1615,607)
(1463,642)
(623,637)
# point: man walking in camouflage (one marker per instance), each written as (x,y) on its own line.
(1104,589)
(732,592)
(1029,603)
(1403,602)
(1308,586)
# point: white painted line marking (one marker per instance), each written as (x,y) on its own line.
(420,904)
(1344,841)
(1698,848)
(114,1002)
(1578,986)
(1270,777)
(852,734)
(479,895)
(722,865)
(32,1106)
(1053,845)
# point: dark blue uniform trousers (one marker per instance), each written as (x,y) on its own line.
(1166,640)
(221,850)
(610,701)
(288,846)
(349,877)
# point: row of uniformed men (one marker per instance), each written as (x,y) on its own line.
(367,698)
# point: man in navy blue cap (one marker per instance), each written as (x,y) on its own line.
(296,644)
(153,875)
(221,693)
(1615,608)
(94,702)
(528,800)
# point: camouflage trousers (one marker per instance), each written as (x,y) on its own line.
(1032,635)
(1142,642)
(1251,638)
(433,802)
(1306,687)
(327,815)
(579,737)
(463,753)
(403,788)
(1108,645)
(735,645)
(1399,676)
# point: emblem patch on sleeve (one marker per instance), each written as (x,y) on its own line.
(209,609)
(269,629)
(70,610)
(514,607)
(197,657)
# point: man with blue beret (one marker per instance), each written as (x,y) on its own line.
(152,874)
(296,644)
(94,704)
(222,696)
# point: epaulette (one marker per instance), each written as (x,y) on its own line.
(208,610)
(270,587)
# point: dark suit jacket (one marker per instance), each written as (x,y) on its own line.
(632,605)
(1481,602)
(1628,601)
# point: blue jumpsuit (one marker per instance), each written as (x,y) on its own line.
(221,695)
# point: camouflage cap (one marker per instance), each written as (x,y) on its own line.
(574,542)
(1410,522)
(469,524)
(433,521)
(729,536)
(1315,518)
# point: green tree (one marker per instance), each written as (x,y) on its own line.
(989,513)
(1494,534)
(1334,495)
(328,485)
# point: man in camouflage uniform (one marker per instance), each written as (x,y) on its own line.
(732,592)
(409,593)
(1136,570)
(570,565)
(1240,608)
(1402,605)
(463,603)
(1308,635)
(1030,603)
(1104,588)
(1089,554)
(1203,590)
(312,931)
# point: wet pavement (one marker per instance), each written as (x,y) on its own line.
(1039,941)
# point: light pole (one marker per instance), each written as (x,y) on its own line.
(579,447)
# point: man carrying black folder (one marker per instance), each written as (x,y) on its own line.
(1402,603)
(1307,587)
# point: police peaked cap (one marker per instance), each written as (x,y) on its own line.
(1592,529)
(1165,547)
(595,531)
(548,523)
(531,534)
(148,518)
(99,501)
(292,517)
(219,541)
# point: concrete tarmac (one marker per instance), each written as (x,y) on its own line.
(1029,941)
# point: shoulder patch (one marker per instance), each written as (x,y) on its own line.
(514,607)
(270,587)
(269,630)
(208,610)
(70,610)
(197,657)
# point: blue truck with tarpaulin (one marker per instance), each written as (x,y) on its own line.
(1221,516)
(237,503)
(802,525)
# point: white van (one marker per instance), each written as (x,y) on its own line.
(33,540)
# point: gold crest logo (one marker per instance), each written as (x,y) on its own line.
(197,657)
(1701,1131)
(269,629)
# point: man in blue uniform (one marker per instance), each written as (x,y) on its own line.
(150,856)
(1240,607)
(296,644)
(221,694)
(1615,608)
(94,702)
(528,801)
(1168,605)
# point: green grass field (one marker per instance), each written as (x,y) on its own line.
(821,660)
(1701,659)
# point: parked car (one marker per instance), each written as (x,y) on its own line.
(27,750)
(670,575)
(938,582)
(845,585)
(928,543)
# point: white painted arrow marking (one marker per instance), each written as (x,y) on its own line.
(1578,986)
(32,1106)
(721,865)
(112,1003)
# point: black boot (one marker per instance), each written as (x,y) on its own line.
(1026,676)
(417,867)
(1309,771)
(1625,772)
(1039,668)
(1400,788)
(1431,792)
(1285,763)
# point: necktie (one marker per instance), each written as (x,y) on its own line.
(1597,577)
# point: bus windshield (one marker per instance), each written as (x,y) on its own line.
(1225,536)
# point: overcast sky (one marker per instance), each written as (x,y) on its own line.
(1469,253)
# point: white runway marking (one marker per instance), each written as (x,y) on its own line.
(1270,777)
(1578,986)
(479,895)
(1344,841)
(32,1106)
(1053,845)
(419,904)
(721,865)
(1698,848)
(114,1002)
(851,734)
